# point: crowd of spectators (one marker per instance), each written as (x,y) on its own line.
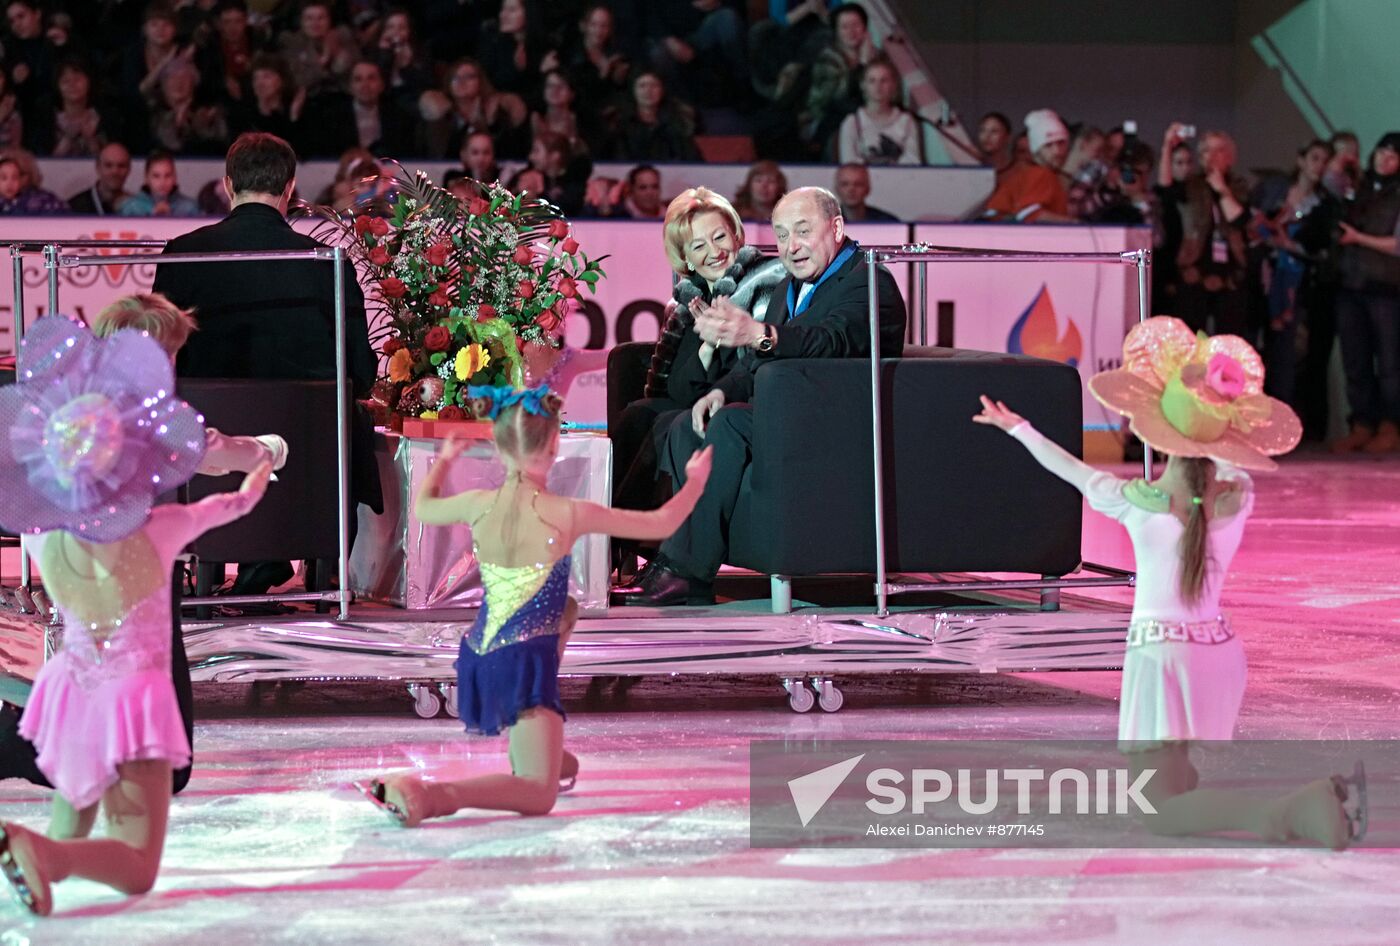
(1289,260)
(559,84)
(1292,259)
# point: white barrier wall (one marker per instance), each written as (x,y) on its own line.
(910,193)
(1066,311)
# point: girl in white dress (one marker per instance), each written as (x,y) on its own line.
(1198,400)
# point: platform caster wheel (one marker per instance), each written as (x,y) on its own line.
(449,699)
(426,703)
(829,697)
(800,698)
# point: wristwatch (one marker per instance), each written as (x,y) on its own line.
(770,337)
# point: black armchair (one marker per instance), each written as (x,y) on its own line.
(297,519)
(958,496)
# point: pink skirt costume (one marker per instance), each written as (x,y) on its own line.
(106,697)
(1184,669)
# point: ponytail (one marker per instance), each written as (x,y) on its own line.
(1195,551)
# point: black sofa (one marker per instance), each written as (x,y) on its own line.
(958,496)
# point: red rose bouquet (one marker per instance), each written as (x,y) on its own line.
(457,288)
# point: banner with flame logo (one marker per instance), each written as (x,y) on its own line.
(1037,333)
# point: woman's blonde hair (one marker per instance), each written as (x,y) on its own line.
(682,212)
(149,312)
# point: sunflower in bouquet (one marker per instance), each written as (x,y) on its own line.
(459,289)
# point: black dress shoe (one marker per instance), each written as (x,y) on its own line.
(638,583)
(258,578)
(664,589)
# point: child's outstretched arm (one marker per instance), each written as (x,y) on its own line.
(434,510)
(1046,452)
(655,524)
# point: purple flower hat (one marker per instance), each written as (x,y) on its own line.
(93,432)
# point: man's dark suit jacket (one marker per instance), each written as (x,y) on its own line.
(835,325)
(330,128)
(273,319)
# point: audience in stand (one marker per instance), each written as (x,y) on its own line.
(852,188)
(699,45)
(880,131)
(479,158)
(513,54)
(565,177)
(273,103)
(1368,304)
(30,57)
(366,118)
(1087,173)
(194,73)
(181,123)
(20,193)
(1034,190)
(473,104)
(227,52)
(994,142)
(763,187)
(107,194)
(74,129)
(11,118)
(320,54)
(651,126)
(597,66)
(637,197)
(1212,261)
(560,115)
(402,61)
(1296,222)
(159,195)
(1343,172)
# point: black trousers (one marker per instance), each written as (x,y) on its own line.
(700,546)
(638,438)
(17,754)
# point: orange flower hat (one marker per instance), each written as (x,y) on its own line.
(1191,395)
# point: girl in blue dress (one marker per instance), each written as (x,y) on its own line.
(508,664)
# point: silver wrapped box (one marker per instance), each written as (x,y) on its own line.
(400,561)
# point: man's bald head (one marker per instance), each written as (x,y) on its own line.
(810,230)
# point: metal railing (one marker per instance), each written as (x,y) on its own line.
(921,255)
(54,261)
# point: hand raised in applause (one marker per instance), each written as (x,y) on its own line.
(725,325)
(997,414)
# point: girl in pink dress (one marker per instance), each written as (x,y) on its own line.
(1199,401)
(95,434)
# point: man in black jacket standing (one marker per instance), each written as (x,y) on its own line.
(269,319)
(819,311)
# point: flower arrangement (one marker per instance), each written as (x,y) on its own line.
(462,289)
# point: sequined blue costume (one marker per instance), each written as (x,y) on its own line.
(509,664)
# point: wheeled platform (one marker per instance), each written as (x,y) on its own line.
(804,650)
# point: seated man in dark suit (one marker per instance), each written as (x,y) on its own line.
(819,311)
(366,118)
(271,319)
